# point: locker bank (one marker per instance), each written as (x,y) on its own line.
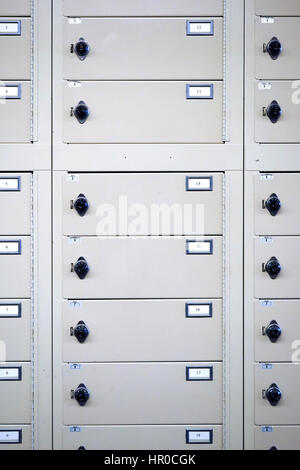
(150,237)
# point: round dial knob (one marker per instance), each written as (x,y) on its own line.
(81,205)
(273,394)
(82,49)
(274,112)
(81,332)
(81,268)
(81,394)
(273,331)
(81,112)
(274,48)
(81,448)
(273,267)
(273,204)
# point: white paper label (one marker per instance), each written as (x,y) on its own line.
(10,374)
(267,20)
(199,91)
(264,86)
(73,178)
(199,310)
(75,84)
(199,373)
(198,247)
(199,184)
(9,184)
(9,248)
(9,92)
(200,27)
(199,437)
(9,28)
(266,177)
(75,20)
(9,310)
(266,239)
(10,437)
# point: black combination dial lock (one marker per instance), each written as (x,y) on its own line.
(81,112)
(272,394)
(273,204)
(81,332)
(81,205)
(81,268)
(272,267)
(273,48)
(81,395)
(81,49)
(273,112)
(273,331)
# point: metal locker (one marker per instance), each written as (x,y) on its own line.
(277,7)
(15,437)
(277,438)
(277,211)
(280,386)
(142,8)
(143,393)
(277,269)
(277,48)
(15,43)
(160,49)
(87,197)
(15,327)
(143,112)
(15,106)
(142,267)
(142,437)
(277,328)
(277,112)
(15,200)
(16,393)
(15,8)
(126,330)
(15,267)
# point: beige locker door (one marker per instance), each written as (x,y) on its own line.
(15,327)
(15,437)
(277,437)
(287,379)
(15,200)
(286,65)
(287,251)
(142,437)
(287,220)
(123,330)
(16,391)
(15,266)
(149,393)
(286,314)
(286,129)
(15,8)
(160,49)
(156,195)
(15,108)
(144,267)
(15,43)
(142,8)
(144,112)
(277,7)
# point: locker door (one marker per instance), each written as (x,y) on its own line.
(15,43)
(15,8)
(15,437)
(270,379)
(15,327)
(15,199)
(15,106)
(87,197)
(15,266)
(127,330)
(277,7)
(143,112)
(277,257)
(277,48)
(142,267)
(160,48)
(277,211)
(277,438)
(16,392)
(144,8)
(277,112)
(144,393)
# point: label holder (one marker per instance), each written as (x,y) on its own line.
(199,379)
(189,178)
(210,252)
(199,97)
(17,97)
(189,432)
(18,315)
(18,379)
(189,32)
(17,33)
(189,315)
(16,178)
(19,252)
(11,441)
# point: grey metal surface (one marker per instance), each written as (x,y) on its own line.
(16,51)
(16,394)
(281,437)
(15,195)
(16,331)
(277,7)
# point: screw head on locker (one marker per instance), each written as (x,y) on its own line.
(82,49)
(81,395)
(81,268)
(273,394)
(81,112)
(273,267)
(273,204)
(81,205)
(273,48)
